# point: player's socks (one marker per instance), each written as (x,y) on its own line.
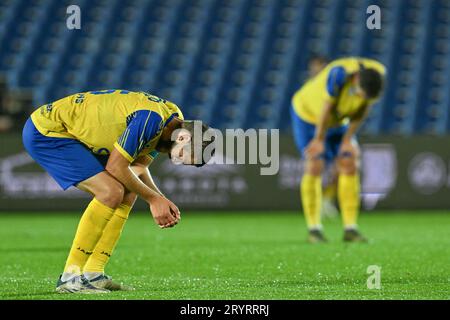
(105,246)
(348,194)
(311,194)
(92,275)
(89,231)
(328,206)
(330,191)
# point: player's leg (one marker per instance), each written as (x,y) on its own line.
(311,195)
(349,195)
(69,162)
(94,269)
(108,195)
(311,182)
(329,209)
(111,235)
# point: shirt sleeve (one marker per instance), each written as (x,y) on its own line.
(335,81)
(142,126)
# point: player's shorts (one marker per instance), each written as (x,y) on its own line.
(304,133)
(67,161)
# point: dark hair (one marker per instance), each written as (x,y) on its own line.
(371,82)
(190,125)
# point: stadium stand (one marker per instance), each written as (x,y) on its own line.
(233,63)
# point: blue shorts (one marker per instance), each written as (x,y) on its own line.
(68,161)
(304,133)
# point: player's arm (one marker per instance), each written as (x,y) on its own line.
(119,167)
(316,147)
(322,126)
(335,82)
(140,167)
(356,121)
(140,130)
(348,145)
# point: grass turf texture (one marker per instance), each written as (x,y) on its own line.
(237,256)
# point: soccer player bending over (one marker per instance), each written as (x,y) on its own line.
(102,142)
(326,113)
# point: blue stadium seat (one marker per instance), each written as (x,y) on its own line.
(232,63)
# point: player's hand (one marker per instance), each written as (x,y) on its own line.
(164,212)
(349,148)
(314,149)
(174,210)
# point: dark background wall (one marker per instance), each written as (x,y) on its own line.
(397,173)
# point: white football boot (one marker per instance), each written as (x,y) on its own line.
(78,284)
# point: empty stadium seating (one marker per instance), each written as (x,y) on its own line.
(232,63)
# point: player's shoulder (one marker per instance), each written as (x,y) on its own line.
(174,109)
(161,106)
(353,64)
(346,65)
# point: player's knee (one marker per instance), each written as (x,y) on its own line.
(112,195)
(348,165)
(314,167)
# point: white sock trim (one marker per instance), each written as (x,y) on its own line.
(67,276)
(91,275)
(316,228)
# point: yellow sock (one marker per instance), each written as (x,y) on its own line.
(348,194)
(89,231)
(330,191)
(311,193)
(105,246)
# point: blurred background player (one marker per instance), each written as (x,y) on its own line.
(102,142)
(326,114)
(328,209)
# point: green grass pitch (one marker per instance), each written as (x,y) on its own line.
(237,256)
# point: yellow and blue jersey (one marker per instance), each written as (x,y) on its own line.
(131,122)
(333,84)
(72,137)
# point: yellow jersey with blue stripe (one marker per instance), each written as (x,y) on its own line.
(131,122)
(334,84)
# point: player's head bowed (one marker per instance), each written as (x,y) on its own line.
(371,82)
(191,142)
